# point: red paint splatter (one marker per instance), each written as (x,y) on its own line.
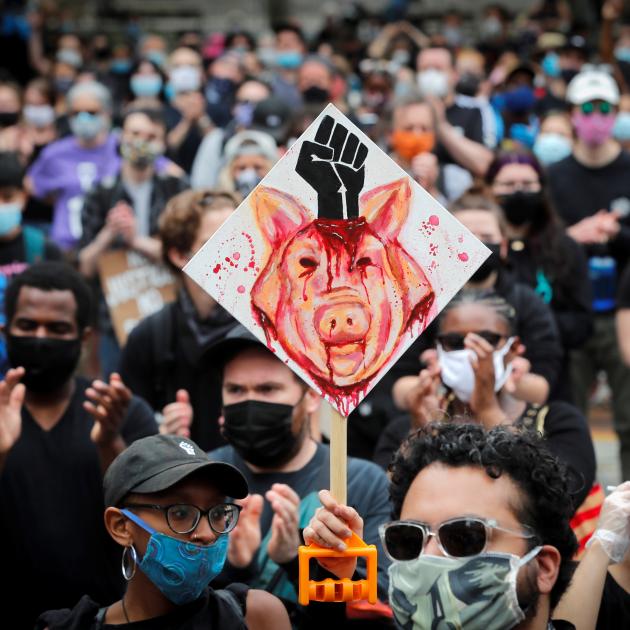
(240,288)
(463,256)
(434,220)
(236,255)
(217,269)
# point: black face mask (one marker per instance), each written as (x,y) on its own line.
(48,363)
(522,207)
(468,84)
(315,94)
(8,119)
(260,432)
(490,264)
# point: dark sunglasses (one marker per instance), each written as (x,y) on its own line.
(455,341)
(459,537)
(590,107)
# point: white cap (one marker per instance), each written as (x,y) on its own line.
(251,143)
(592,85)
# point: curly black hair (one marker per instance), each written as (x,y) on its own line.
(546,505)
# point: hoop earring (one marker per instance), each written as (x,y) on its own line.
(127,573)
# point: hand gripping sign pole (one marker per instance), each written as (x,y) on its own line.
(345,589)
(339,292)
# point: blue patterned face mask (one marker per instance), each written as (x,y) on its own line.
(181,570)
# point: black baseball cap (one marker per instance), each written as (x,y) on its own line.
(235,341)
(273,116)
(158,462)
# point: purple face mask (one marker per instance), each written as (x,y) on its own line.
(595,128)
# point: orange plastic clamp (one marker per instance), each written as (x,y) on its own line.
(343,590)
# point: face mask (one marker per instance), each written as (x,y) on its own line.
(289,59)
(246,181)
(260,432)
(48,362)
(453,36)
(8,119)
(458,375)
(141,153)
(552,147)
(147,85)
(623,54)
(121,66)
(157,57)
(491,28)
(401,57)
(185,79)
(522,207)
(10,217)
(593,129)
(70,57)
(219,89)
(433,83)
(408,144)
(621,130)
(525,134)
(315,94)
(86,126)
(490,264)
(243,114)
(568,74)
(181,570)
(477,593)
(551,65)
(39,115)
(468,84)
(520,99)
(63,84)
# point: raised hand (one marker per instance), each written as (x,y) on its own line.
(334,165)
(107,404)
(11,401)
(178,415)
(245,537)
(285,536)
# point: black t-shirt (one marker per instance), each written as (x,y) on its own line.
(214,610)
(566,433)
(614,611)
(468,121)
(51,511)
(579,191)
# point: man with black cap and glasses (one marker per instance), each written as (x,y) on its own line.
(171,511)
(267,420)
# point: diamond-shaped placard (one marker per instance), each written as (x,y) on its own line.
(337,260)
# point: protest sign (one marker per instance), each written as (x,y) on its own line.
(337,260)
(134,288)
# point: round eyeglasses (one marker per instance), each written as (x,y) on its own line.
(183,518)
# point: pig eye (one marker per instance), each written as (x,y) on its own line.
(308,263)
(364,261)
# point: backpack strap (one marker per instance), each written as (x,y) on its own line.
(34,244)
(235,598)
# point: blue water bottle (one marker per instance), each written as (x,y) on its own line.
(602,271)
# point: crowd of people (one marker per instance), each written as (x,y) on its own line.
(167,480)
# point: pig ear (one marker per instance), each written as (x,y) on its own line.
(386,208)
(278,214)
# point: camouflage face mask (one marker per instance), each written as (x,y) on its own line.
(439,593)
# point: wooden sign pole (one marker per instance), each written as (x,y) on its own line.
(339,458)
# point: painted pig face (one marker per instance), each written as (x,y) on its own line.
(338,296)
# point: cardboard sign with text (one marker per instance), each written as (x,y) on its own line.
(337,260)
(134,288)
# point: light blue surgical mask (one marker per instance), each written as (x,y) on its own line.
(621,130)
(289,59)
(552,147)
(121,66)
(551,65)
(10,217)
(87,126)
(146,85)
(181,570)
(622,53)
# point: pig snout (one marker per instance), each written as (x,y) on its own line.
(342,323)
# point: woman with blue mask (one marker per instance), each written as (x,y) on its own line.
(167,509)
(146,83)
(555,138)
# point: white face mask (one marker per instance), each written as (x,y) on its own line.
(39,115)
(185,79)
(458,374)
(433,83)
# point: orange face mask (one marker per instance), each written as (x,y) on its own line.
(408,144)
